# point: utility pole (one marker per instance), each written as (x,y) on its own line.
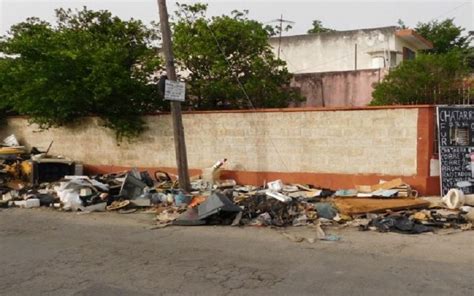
(279,37)
(178,129)
(280,29)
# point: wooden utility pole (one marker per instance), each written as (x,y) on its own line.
(178,129)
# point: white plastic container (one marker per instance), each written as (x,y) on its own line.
(29,203)
(32,203)
(278,196)
(454,199)
(11,141)
(275,185)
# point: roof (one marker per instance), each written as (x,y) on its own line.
(414,38)
(408,35)
(334,33)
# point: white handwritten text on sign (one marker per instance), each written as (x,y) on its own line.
(175,90)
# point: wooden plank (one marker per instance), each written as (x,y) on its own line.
(354,206)
(388,185)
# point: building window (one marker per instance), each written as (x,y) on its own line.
(393,59)
(378,62)
(408,54)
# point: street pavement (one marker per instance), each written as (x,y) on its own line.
(45,252)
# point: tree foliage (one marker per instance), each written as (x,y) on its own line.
(87,63)
(319,28)
(436,76)
(226,59)
(444,35)
(428,79)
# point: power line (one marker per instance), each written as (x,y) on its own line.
(330,61)
(281,21)
(445,13)
(243,90)
(350,54)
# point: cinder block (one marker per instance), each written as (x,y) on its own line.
(365,141)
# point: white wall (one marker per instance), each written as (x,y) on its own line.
(379,141)
(335,51)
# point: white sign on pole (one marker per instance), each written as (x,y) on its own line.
(175,90)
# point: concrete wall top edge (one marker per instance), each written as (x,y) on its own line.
(333,34)
(283,110)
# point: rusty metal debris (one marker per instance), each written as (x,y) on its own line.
(387,206)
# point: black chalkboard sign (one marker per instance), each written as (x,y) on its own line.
(456,147)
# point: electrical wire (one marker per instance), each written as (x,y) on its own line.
(449,11)
(359,49)
(241,86)
(348,55)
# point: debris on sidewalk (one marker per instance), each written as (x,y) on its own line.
(355,206)
(392,188)
(455,199)
(387,206)
(414,222)
(117,205)
(397,223)
(219,206)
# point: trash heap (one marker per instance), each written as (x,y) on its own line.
(387,206)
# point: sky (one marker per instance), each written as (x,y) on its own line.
(339,15)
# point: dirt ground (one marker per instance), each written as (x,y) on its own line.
(45,252)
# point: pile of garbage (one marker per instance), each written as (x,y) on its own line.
(387,206)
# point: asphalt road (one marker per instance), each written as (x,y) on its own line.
(44,252)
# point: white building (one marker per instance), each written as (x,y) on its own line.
(348,50)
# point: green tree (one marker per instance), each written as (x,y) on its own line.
(428,79)
(87,63)
(319,28)
(444,35)
(401,24)
(226,59)
(435,76)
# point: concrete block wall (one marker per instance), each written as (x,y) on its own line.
(348,141)
(336,89)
